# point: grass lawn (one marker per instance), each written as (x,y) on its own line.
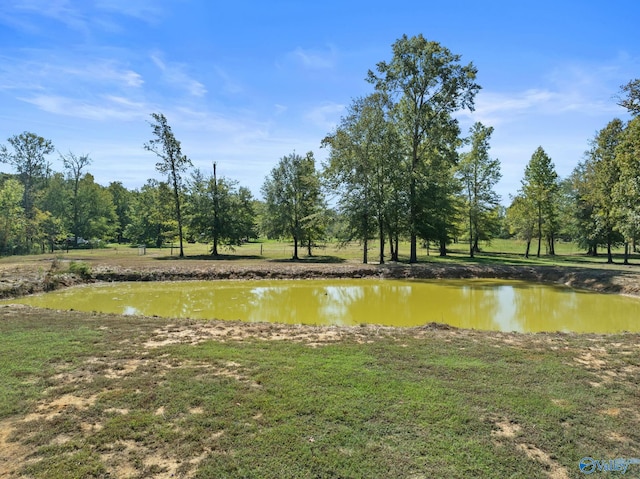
(106,396)
(498,251)
(100,396)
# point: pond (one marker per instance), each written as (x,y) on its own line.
(495,305)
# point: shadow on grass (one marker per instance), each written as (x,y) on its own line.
(325,259)
(208,257)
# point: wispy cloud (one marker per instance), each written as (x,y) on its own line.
(571,88)
(326,115)
(102,108)
(145,10)
(315,59)
(79,16)
(175,75)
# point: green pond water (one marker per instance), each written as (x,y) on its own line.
(481,304)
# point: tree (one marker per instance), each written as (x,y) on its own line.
(29,160)
(11,215)
(172,163)
(540,187)
(97,215)
(151,214)
(602,173)
(629,97)
(521,218)
(479,174)
(293,199)
(429,84)
(219,211)
(122,203)
(627,191)
(364,163)
(74,166)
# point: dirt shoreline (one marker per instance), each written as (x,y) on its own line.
(27,279)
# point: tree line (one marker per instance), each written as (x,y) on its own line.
(398,168)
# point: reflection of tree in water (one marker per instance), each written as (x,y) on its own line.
(488,305)
(476,304)
(385,302)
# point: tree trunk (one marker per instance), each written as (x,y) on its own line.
(626,252)
(539,229)
(471,251)
(381,233)
(609,255)
(295,248)
(443,248)
(176,195)
(214,250)
(365,255)
(476,241)
(309,247)
(526,253)
(394,253)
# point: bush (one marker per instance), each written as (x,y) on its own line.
(80,268)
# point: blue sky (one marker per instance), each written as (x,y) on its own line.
(244,83)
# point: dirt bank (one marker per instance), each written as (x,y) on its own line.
(19,280)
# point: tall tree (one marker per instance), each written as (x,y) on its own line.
(74,165)
(627,191)
(151,214)
(97,215)
(602,173)
(479,174)
(29,160)
(429,84)
(629,97)
(11,215)
(173,162)
(540,187)
(293,199)
(122,203)
(219,211)
(521,218)
(582,209)
(364,162)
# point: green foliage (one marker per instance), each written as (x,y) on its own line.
(365,167)
(540,188)
(172,163)
(151,214)
(219,211)
(294,202)
(629,97)
(122,204)
(627,190)
(427,84)
(29,160)
(479,174)
(12,217)
(80,268)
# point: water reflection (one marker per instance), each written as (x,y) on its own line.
(480,304)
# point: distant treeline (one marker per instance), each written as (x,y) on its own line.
(398,169)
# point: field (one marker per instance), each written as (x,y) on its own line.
(98,396)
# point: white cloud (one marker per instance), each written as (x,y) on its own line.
(146,10)
(325,116)
(315,59)
(105,108)
(175,75)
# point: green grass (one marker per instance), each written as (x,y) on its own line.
(375,404)
(498,251)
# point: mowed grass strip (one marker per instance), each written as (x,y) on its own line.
(87,396)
